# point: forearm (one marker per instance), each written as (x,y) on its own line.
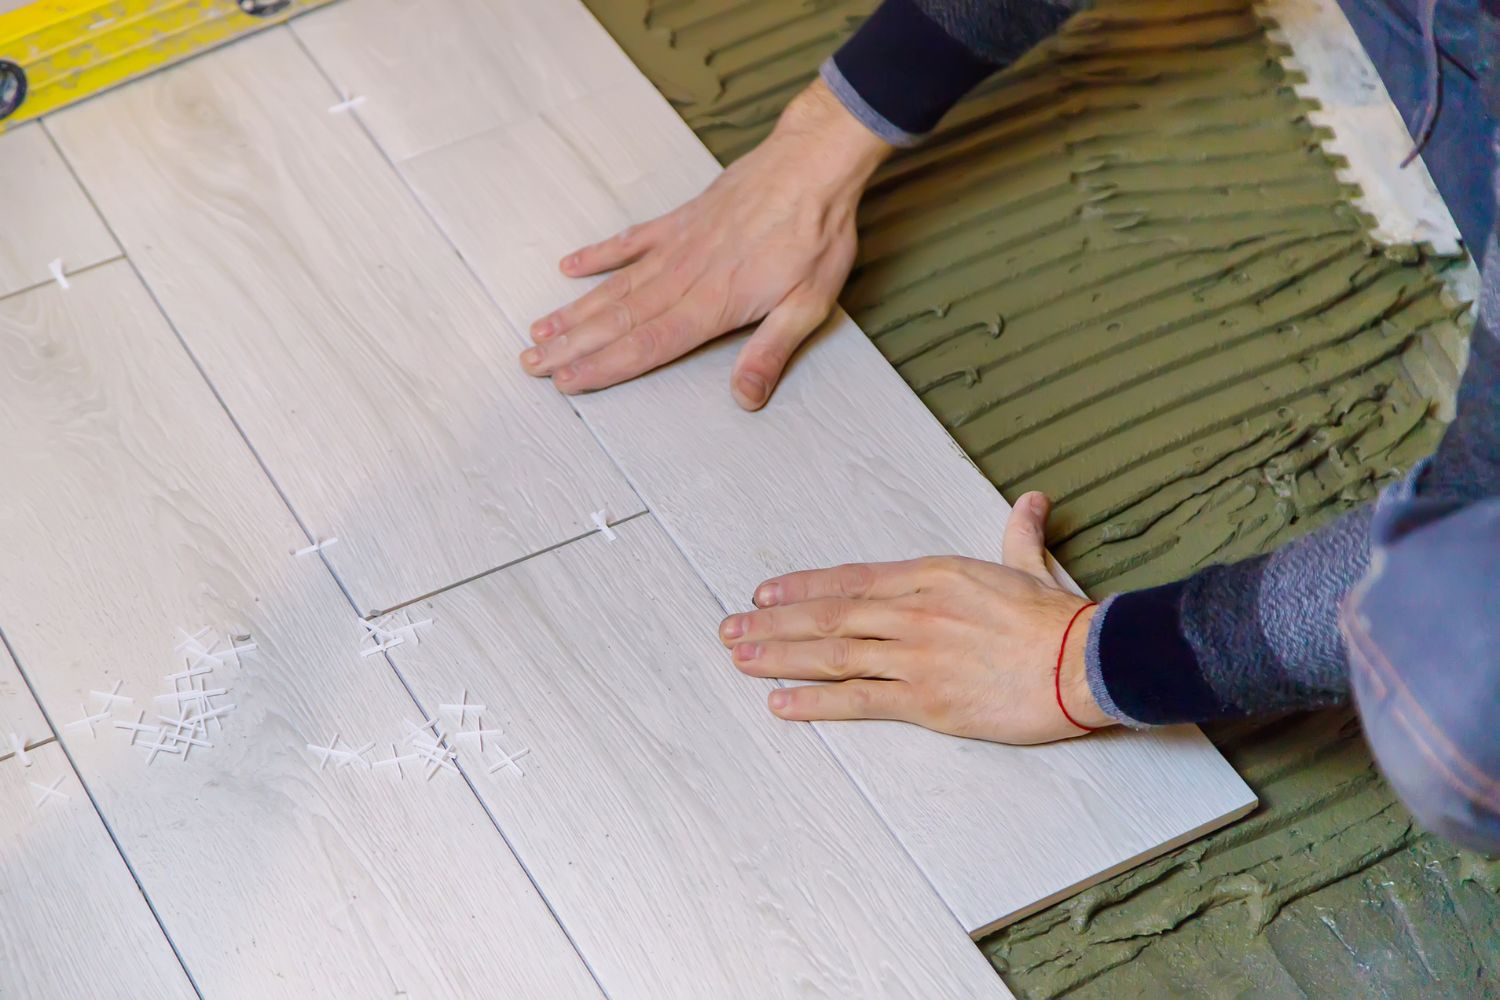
(912,60)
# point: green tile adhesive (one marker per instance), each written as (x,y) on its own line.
(1125,272)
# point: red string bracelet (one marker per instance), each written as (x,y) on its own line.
(1057,671)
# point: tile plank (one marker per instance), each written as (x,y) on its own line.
(20,715)
(492,68)
(76,924)
(845,464)
(44,214)
(366,366)
(131,486)
(660,802)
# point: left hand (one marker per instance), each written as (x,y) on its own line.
(958,645)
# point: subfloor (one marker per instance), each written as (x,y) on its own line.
(1052,274)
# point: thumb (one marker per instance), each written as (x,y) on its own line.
(770,347)
(1026,536)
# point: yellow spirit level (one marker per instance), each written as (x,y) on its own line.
(55,52)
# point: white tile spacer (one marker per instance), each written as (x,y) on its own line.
(138,727)
(601,524)
(18,744)
(478,734)
(395,760)
(159,747)
(326,752)
(510,761)
(435,757)
(182,731)
(56,267)
(413,730)
(348,104)
(88,720)
(217,656)
(215,713)
(463,707)
(350,756)
(383,646)
(187,675)
(317,546)
(113,696)
(50,791)
(188,640)
(192,694)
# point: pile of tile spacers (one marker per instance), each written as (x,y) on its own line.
(389,630)
(426,745)
(194,708)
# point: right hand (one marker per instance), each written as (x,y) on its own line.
(771,238)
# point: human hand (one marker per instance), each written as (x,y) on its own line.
(958,645)
(773,236)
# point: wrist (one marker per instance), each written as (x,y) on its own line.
(1073,684)
(833,145)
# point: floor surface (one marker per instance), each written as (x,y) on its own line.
(374,666)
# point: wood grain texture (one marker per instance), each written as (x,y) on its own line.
(364,363)
(661,804)
(76,924)
(19,713)
(44,214)
(845,464)
(493,68)
(126,480)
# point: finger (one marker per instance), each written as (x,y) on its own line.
(609,323)
(1025,542)
(859,699)
(818,660)
(621,248)
(856,581)
(765,355)
(612,289)
(818,619)
(649,345)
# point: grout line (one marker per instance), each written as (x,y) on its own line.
(822,739)
(503,317)
(32,746)
(52,281)
(494,820)
(286,501)
(437,225)
(103,820)
(202,372)
(502,567)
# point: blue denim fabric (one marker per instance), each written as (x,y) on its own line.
(1423,627)
(1456,153)
(1423,633)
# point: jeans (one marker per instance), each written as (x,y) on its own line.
(1423,627)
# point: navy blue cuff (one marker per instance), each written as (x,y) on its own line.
(1146,663)
(907,69)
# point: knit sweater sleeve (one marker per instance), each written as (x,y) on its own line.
(1250,637)
(912,60)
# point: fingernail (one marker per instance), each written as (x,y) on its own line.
(544,329)
(565,374)
(746,651)
(733,627)
(768,594)
(569,262)
(751,388)
(779,700)
(1036,502)
(531,357)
